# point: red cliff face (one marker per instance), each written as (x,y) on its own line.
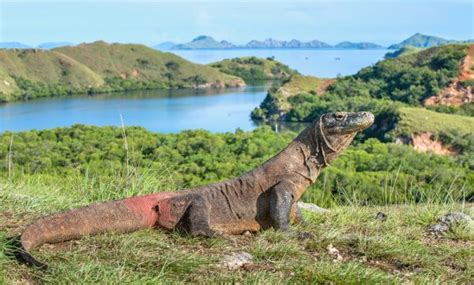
(424,142)
(457,93)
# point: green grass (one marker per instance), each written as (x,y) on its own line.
(418,120)
(395,251)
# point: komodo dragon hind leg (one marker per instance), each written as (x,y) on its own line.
(196,221)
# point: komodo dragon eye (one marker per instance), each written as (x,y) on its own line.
(340,116)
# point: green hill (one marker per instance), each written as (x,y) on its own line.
(252,68)
(421,41)
(24,70)
(100,67)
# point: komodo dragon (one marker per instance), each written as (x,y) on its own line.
(262,198)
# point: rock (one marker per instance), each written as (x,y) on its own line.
(247,234)
(453,218)
(438,228)
(447,221)
(334,252)
(305,235)
(236,260)
(311,208)
(381,216)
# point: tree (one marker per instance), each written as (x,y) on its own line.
(197,80)
(173,66)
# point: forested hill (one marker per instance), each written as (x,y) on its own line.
(252,68)
(412,80)
(100,67)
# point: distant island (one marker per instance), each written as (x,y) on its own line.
(208,42)
(13,45)
(46,45)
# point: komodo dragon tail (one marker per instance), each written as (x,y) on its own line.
(121,216)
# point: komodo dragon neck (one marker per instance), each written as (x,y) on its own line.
(303,158)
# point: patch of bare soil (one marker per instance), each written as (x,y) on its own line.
(439,240)
(323,86)
(265,266)
(456,93)
(424,142)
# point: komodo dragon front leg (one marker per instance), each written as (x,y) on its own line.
(281,203)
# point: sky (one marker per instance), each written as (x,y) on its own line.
(152,21)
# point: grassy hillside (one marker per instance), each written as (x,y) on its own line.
(349,244)
(416,120)
(100,67)
(20,70)
(252,68)
(406,50)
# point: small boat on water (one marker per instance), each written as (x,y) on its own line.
(337,58)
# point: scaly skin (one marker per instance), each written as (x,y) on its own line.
(262,198)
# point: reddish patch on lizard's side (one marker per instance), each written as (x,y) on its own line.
(144,206)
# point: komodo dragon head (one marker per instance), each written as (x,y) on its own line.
(335,131)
